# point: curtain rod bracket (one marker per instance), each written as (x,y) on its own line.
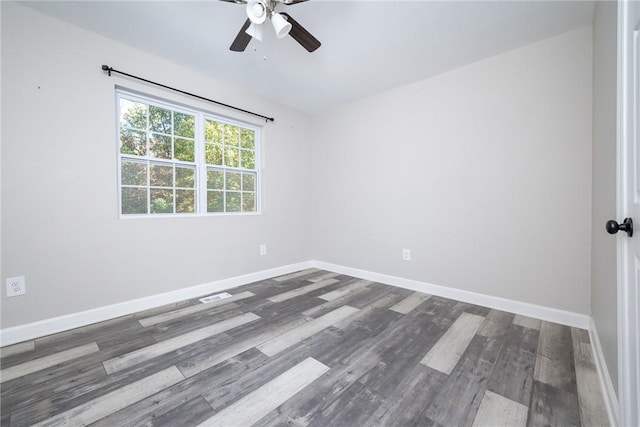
(109,70)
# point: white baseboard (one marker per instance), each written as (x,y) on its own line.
(58,324)
(562,317)
(608,391)
(41,328)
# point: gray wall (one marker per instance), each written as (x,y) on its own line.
(60,225)
(484,172)
(603,246)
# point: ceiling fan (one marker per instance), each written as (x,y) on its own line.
(258,11)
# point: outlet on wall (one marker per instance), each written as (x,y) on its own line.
(16,286)
(406,254)
(263,249)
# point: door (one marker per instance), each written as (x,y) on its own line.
(629,206)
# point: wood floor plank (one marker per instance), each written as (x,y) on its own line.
(396,361)
(553,407)
(54,387)
(323,277)
(527,322)
(461,394)
(513,374)
(26,368)
(351,408)
(444,355)
(496,325)
(294,336)
(554,360)
(592,408)
(406,404)
(498,411)
(189,413)
(174,314)
(17,348)
(194,366)
(183,325)
(384,302)
(296,275)
(303,290)
(328,306)
(260,402)
(410,302)
(146,411)
(130,359)
(345,290)
(98,408)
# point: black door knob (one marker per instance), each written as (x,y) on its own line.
(627,226)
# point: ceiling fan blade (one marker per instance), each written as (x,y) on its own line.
(301,35)
(285,1)
(242,39)
(236,1)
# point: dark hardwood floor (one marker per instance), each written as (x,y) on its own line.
(309,348)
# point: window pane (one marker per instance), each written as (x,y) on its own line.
(160,146)
(212,131)
(213,153)
(247,139)
(231,135)
(215,201)
(185,125)
(233,201)
(159,119)
(133,114)
(160,170)
(231,157)
(161,201)
(248,202)
(233,181)
(215,180)
(185,177)
(134,201)
(185,201)
(248,159)
(133,173)
(248,182)
(184,150)
(161,176)
(133,142)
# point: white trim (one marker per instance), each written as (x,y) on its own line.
(606,386)
(41,328)
(563,317)
(627,206)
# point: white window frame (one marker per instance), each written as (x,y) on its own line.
(199,157)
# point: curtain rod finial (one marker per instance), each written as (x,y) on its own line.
(107,68)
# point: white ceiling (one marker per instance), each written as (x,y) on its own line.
(367,46)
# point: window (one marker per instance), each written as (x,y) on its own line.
(183,162)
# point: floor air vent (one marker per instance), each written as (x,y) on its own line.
(216,297)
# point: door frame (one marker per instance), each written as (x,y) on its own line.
(628,312)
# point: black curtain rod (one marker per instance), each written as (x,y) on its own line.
(110,70)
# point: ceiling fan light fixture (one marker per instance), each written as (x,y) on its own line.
(280,25)
(255,31)
(257,11)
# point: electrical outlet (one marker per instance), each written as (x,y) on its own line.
(16,286)
(406,254)
(263,249)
